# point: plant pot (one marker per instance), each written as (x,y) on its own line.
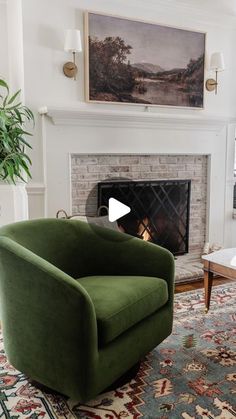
(13,203)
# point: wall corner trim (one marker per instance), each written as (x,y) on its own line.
(35,188)
(43,110)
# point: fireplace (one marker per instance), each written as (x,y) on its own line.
(88,170)
(159,210)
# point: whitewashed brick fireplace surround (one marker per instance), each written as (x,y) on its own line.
(89,130)
(89,169)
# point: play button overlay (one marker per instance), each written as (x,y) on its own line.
(116,209)
(104,210)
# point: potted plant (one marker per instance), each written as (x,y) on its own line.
(14,161)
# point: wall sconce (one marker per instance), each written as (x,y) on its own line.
(216,64)
(72,44)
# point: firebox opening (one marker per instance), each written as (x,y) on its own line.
(159,210)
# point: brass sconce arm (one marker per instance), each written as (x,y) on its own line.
(212,84)
(70,69)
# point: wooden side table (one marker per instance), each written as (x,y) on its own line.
(223,263)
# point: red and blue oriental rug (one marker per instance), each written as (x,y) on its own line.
(191,375)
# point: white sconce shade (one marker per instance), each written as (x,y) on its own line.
(72,41)
(217,61)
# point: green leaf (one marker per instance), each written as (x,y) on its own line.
(27,158)
(29,113)
(21,177)
(5,101)
(24,142)
(2,123)
(4,84)
(26,169)
(27,133)
(18,114)
(14,107)
(11,100)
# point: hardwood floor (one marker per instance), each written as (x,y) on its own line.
(199,284)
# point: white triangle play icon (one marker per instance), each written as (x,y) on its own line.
(116,209)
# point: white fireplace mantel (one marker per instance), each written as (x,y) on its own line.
(146,118)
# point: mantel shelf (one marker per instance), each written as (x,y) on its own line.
(86,116)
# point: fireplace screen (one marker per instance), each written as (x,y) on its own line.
(159,210)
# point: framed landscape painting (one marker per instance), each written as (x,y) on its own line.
(134,62)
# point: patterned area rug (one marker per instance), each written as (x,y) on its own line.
(191,375)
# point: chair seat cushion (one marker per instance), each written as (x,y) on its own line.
(122,301)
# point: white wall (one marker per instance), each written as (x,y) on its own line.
(3,41)
(15,46)
(45,84)
(11,44)
(45,21)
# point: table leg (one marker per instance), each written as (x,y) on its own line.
(208,278)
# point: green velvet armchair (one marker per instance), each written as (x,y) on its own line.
(81,305)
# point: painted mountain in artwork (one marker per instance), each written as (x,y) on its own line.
(148,67)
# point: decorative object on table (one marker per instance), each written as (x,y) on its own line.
(73,45)
(14,161)
(130,61)
(216,64)
(215,246)
(209,248)
(91,296)
(177,379)
(206,248)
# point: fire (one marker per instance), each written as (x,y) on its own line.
(144,230)
(139,228)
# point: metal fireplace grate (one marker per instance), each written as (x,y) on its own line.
(159,210)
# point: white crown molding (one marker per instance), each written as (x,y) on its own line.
(85,116)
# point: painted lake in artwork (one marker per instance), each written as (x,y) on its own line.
(143,63)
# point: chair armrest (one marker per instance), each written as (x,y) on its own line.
(49,321)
